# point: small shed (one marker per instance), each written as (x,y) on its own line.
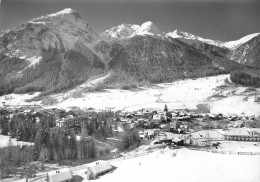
(63,175)
(114,151)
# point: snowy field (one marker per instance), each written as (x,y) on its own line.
(212,92)
(5,139)
(186,165)
(186,94)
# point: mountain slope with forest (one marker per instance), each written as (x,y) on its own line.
(60,50)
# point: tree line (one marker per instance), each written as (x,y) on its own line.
(245,78)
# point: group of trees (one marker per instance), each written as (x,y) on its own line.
(60,146)
(131,138)
(25,128)
(99,124)
(54,143)
(246,79)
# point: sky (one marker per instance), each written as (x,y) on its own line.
(223,20)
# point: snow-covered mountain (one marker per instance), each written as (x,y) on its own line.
(230,50)
(55,50)
(128,30)
(185,35)
(236,43)
(60,30)
(60,50)
(64,30)
(244,50)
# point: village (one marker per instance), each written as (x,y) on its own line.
(155,128)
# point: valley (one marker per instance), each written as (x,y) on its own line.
(217,94)
(129,103)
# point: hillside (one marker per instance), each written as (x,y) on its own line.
(248,53)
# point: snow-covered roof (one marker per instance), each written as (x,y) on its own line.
(99,166)
(157,117)
(256,131)
(206,133)
(60,175)
(237,132)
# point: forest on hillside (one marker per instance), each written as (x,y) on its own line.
(246,77)
(54,73)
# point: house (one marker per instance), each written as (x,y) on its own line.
(173,125)
(125,120)
(139,114)
(206,136)
(68,124)
(157,118)
(99,167)
(237,124)
(129,116)
(241,134)
(256,133)
(140,121)
(114,151)
(150,134)
(165,127)
(141,134)
(147,114)
(62,175)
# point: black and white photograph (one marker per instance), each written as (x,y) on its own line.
(130,90)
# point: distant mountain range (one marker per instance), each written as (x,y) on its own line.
(58,51)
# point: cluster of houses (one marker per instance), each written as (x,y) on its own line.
(150,123)
(163,120)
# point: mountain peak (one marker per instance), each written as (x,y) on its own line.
(67,12)
(236,43)
(129,30)
(63,12)
(149,28)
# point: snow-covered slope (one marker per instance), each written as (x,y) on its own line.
(122,31)
(186,35)
(236,43)
(149,28)
(212,92)
(185,165)
(229,45)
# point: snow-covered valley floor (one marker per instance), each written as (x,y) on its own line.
(186,165)
(211,92)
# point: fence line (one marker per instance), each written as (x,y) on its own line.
(226,152)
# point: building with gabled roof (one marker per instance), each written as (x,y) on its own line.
(62,175)
(99,167)
(241,134)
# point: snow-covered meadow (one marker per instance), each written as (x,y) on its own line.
(186,165)
(212,92)
(4,140)
(184,94)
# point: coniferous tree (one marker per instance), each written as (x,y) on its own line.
(92,148)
